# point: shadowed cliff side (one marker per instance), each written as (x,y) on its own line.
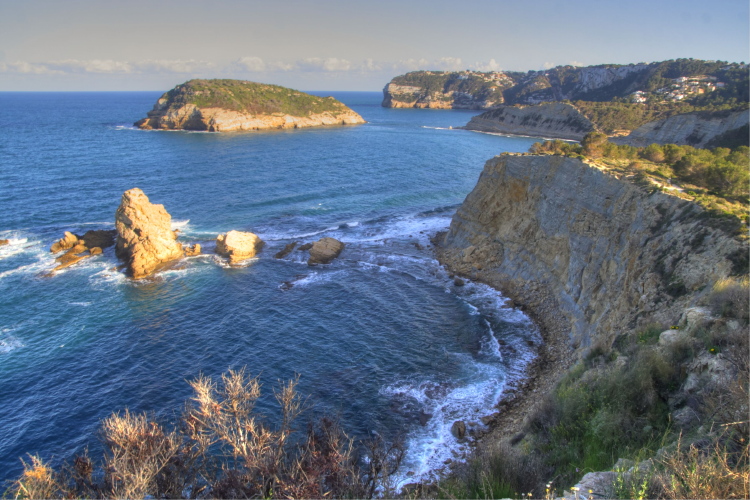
(598,254)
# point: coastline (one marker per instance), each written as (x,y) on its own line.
(555,355)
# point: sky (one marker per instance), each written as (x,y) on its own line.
(83,45)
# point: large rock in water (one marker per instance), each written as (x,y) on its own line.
(145,240)
(324,251)
(238,245)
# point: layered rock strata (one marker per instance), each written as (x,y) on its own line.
(145,240)
(691,129)
(238,245)
(556,120)
(595,254)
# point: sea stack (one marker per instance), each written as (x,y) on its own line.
(145,240)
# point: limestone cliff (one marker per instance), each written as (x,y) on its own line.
(230,105)
(557,120)
(447,90)
(145,240)
(693,129)
(597,254)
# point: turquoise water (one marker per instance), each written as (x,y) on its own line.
(380,338)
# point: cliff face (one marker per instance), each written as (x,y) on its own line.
(692,129)
(229,105)
(592,254)
(447,90)
(556,120)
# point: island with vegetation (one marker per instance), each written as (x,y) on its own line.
(228,105)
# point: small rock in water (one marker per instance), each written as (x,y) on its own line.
(68,240)
(285,251)
(192,250)
(459,282)
(4,242)
(324,251)
(238,245)
(305,247)
(458,429)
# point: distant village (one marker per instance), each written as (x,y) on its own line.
(682,87)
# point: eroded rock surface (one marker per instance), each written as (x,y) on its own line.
(238,245)
(573,242)
(145,240)
(324,251)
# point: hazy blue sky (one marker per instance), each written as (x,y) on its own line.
(344,44)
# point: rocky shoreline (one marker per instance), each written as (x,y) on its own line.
(555,354)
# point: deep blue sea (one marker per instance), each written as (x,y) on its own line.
(381,338)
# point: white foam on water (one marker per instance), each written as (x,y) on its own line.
(489,343)
(314,278)
(180,224)
(81,304)
(14,246)
(430,446)
(9,342)
(222,262)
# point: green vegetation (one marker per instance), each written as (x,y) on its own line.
(620,402)
(250,97)
(609,117)
(717,179)
(480,85)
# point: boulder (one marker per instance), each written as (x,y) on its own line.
(458,429)
(238,245)
(324,251)
(69,240)
(192,250)
(285,251)
(145,240)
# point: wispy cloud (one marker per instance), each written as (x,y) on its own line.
(330,64)
(241,66)
(107,66)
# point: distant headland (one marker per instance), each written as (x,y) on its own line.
(230,105)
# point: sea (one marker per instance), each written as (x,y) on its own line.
(381,339)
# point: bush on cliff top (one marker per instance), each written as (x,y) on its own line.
(718,179)
(250,97)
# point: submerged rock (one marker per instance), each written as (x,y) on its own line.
(238,245)
(324,251)
(285,251)
(145,240)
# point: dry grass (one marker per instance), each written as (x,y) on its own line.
(730,297)
(221,448)
(716,472)
(37,481)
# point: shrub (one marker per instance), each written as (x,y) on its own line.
(729,298)
(222,448)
